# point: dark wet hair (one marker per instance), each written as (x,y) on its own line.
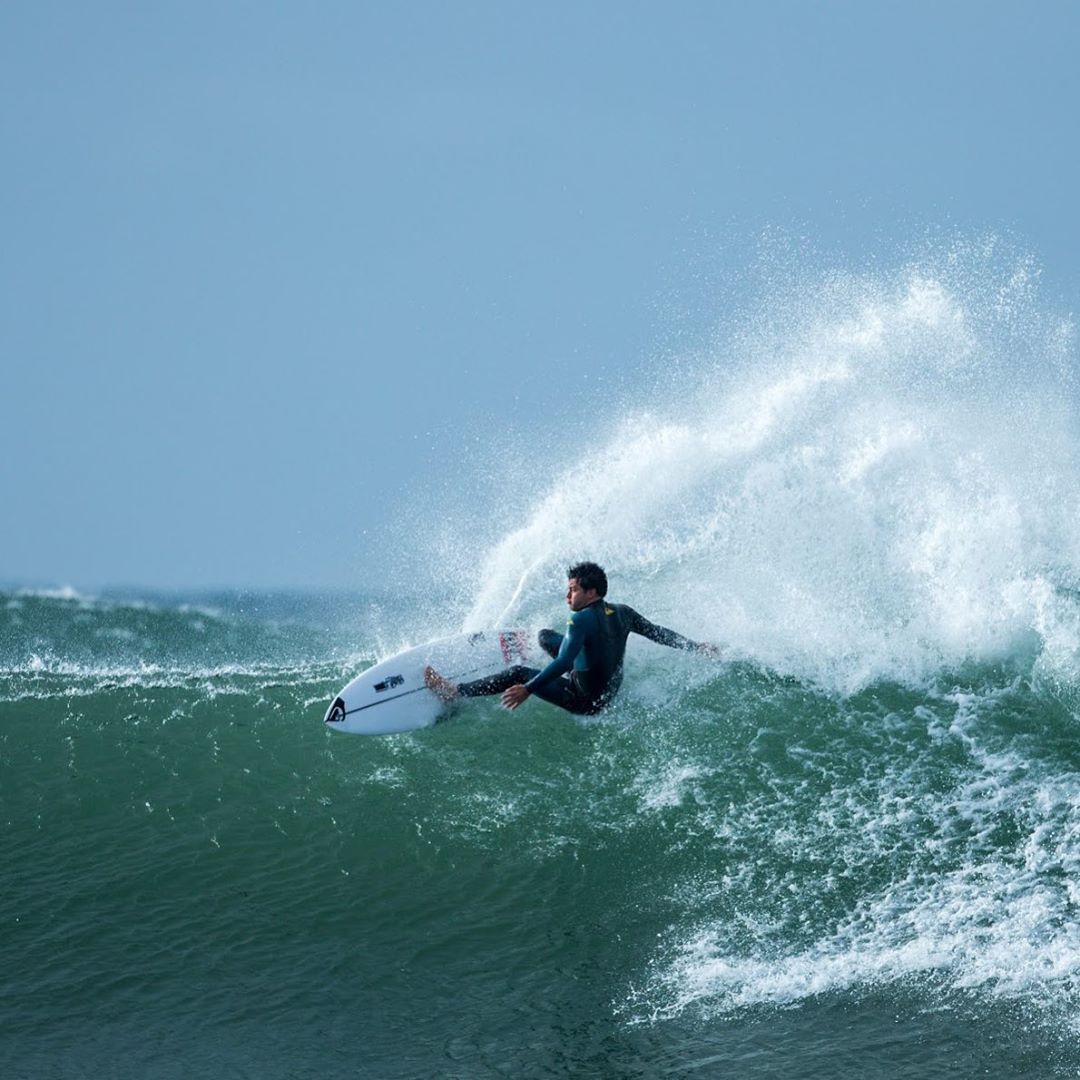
(589,576)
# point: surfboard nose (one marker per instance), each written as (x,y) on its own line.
(336,713)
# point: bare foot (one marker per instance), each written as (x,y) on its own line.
(442,688)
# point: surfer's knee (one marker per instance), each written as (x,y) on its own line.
(550,641)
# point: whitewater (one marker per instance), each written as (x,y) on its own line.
(878,482)
(849,848)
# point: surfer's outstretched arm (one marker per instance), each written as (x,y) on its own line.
(663,636)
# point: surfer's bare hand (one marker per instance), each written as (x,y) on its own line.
(710,650)
(513,696)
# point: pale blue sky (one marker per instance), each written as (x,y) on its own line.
(270,270)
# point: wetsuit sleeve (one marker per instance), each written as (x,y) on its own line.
(661,634)
(571,646)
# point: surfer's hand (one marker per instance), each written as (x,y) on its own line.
(513,696)
(710,650)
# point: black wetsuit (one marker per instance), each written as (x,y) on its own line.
(588,662)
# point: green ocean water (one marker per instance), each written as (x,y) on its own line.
(746,877)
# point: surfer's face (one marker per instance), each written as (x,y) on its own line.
(577,597)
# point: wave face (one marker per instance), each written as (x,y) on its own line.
(855,840)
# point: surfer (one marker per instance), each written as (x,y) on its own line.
(587,665)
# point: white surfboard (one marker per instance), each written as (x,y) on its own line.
(391,696)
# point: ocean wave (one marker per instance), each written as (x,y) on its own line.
(878,479)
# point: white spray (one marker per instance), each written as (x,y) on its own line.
(876,478)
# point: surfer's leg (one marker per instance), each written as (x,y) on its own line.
(563,693)
(496,684)
(550,642)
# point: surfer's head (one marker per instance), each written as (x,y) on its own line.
(586,583)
